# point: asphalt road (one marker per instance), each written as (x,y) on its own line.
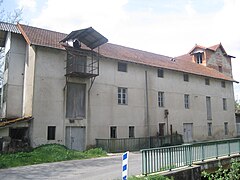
(107,168)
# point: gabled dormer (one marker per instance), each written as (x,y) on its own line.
(214,57)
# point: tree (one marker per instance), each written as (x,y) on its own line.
(10,17)
(237,106)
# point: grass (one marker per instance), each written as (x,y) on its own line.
(46,154)
(150,177)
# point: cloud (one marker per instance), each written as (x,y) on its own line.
(151,28)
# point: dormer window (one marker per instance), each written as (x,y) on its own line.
(220,69)
(199,57)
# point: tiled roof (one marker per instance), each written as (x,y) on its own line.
(42,37)
(9,27)
(47,38)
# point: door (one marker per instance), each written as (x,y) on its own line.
(187,132)
(75,138)
(161,129)
(238,129)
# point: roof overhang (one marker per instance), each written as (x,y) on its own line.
(90,37)
(6,123)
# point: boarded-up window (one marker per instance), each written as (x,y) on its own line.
(75,107)
(209,110)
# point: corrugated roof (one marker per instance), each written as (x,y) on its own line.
(47,38)
(89,36)
(9,27)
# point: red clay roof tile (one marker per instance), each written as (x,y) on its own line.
(47,38)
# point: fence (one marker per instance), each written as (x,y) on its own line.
(135,144)
(167,158)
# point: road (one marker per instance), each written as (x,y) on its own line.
(106,168)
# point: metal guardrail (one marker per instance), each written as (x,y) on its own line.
(168,158)
(136,144)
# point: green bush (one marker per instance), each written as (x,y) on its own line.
(233,173)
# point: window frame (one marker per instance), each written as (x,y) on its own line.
(199,58)
(209,108)
(113,132)
(161,99)
(160,72)
(209,129)
(122,96)
(220,69)
(223,84)
(186,77)
(186,101)
(122,67)
(51,133)
(207,81)
(224,104)
(226,130)
(131,132)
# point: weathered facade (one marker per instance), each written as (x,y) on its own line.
(68,96)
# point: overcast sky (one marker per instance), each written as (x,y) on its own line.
(167,27)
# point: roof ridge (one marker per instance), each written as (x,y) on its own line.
(153,53)
(42,29)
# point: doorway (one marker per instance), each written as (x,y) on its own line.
(75,138)
(187,132)
(161,129)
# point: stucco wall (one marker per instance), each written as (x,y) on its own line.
(49,83)
(15,76)
(106,112)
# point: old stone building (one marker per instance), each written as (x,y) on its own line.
(72,89)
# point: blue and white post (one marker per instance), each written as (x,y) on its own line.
(125,165)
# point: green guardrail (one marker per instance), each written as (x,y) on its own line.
(168,158)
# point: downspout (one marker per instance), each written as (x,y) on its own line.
(147,106)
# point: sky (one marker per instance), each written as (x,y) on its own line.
(166,27)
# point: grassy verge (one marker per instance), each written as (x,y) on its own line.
(45,154)
(150,177)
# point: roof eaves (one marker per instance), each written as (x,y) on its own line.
(24,34)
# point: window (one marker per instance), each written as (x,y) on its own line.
(226,128)
(131,132)
(209,110)
(185,77)
(209,129)
(224,104)
(223,84)
(186,101)
(160,73)
(75,106)
(113,132)
(6,61)
(220,69)
(160,99)
(122,67)
(207,81)
(4,93)
(199,58)
(51,132)
(122,95)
